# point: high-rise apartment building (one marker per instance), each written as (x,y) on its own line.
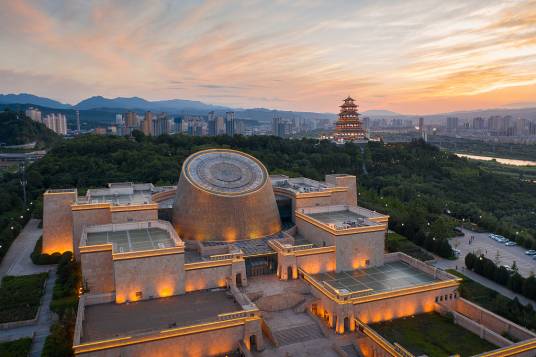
(147,124)
(56,122)
(230,123)
(34,114)
(452,123)
(479,123)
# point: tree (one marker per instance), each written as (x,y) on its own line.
(470,260)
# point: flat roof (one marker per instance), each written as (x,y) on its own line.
(111,320)
(390,276)
(132,240)
(343,217)
(299,184)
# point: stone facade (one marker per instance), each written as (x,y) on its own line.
(149,277)
(98,272)
(58,221)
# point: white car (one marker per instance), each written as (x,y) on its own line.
(530,252)
(510,243)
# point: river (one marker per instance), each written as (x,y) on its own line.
(499,160)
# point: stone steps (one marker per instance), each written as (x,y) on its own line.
(297,334)
(350,351)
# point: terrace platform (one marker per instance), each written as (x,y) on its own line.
(391,276)
(132,240)
(110,320)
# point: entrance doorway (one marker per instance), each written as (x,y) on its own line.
(239,280)
(289,273)
(346,324)
(253,343)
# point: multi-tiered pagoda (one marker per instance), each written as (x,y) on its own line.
(348,126)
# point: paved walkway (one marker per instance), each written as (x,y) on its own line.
(17,262)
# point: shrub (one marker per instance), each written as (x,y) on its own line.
(38,258)
(16,348)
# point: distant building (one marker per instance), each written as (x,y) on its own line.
(230,123)
(348,127)
(147,125)
(479,123)
(56,122)
(452,123)
(280,127)
(34,114)
(162,125)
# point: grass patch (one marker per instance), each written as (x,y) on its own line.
(20,297)
(491,300)
(16,348)
(398,243)
(433,335)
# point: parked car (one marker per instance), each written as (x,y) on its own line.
(510,243)
(530,252)
(457,252)
(508,268)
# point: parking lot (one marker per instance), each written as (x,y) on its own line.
(493,250)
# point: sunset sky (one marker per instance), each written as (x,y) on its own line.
(412,57)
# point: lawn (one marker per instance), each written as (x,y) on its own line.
(17,348)
(398,243)
(20,297)
(433,335)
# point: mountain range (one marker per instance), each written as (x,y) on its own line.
(183,106)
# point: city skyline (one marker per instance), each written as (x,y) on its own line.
(412,58)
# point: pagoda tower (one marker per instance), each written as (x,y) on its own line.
(348,126)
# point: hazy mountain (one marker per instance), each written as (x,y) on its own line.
(25,98)
(380,113)
(132,103)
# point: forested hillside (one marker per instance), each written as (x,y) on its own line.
(423,189)
(17,129)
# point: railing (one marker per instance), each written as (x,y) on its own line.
(233,256)
(393,350)
(114,227)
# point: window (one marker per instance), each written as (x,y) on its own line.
(441,298)
(139,294)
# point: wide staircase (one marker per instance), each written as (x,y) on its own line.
(297,334)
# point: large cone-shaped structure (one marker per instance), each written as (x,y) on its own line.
(224,195)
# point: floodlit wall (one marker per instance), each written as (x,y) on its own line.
(348,181)
(154,276)
(358,250)
(58,221)
(87,217)
(213,275)
(361,250)
(98,272)
(134,216)
(317,263)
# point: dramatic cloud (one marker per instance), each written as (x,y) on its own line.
(407,56)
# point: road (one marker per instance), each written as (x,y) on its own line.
(493,250)
(17,262)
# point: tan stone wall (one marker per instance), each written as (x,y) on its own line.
(352,250)
(209,343)
(134,216)
(98,272)
(491,320)
(349,181)
(389,309)
(360,250)
(208,278)
(58,222)
(155,276)
(314,234)
(87,217)
(317,263)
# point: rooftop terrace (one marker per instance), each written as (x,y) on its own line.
(341,217)
(121,193)
(298,184)
(133,240)
(106,321)
(390,276)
